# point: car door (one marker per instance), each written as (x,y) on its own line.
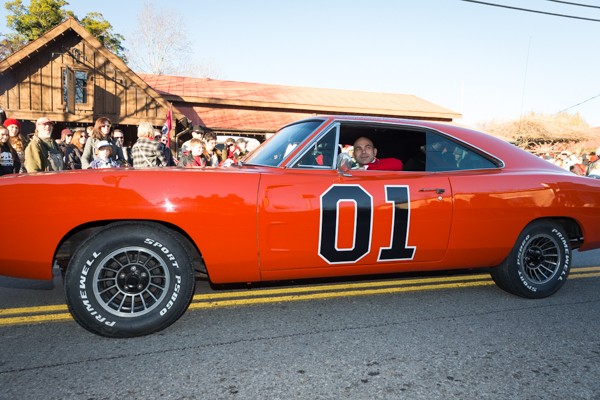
(319,218)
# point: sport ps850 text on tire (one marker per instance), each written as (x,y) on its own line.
(129,279)
(539,263)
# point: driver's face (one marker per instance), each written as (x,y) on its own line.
(364,151)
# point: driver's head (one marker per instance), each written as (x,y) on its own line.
(364,151)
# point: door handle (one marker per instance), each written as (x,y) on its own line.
(436,190)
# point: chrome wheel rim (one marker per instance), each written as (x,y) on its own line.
(131,281)
(541,258)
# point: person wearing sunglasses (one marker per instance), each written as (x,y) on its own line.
(101,131)
(66,135)
(119,138)
(75,149)
(231,153)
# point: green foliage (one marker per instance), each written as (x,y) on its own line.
(29,23)
(95,24)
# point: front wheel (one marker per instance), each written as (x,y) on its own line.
(129,280)
(538,264)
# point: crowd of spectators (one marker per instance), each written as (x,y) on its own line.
(579,164)
(99,146)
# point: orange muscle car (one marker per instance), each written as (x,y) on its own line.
(130,242)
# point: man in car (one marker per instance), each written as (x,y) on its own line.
(365,154)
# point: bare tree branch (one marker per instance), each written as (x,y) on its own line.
(161,45)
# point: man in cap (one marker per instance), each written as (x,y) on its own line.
(43,154)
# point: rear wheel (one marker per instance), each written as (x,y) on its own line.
(129,280)
(539,263)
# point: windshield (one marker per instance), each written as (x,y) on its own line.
(273,151)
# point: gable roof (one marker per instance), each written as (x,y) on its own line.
(21,56)
(274,104)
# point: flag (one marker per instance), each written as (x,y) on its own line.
(166,129)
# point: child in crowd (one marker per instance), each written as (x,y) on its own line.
(103,156)
(195,156)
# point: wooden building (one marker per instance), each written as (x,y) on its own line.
(69,76)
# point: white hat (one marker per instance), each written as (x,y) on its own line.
(43,120)
(102,143)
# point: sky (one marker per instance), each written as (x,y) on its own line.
(487,63)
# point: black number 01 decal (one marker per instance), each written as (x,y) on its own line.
(363,224)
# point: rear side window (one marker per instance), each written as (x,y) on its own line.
(443,154)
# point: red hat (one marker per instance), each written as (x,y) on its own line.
(12,121)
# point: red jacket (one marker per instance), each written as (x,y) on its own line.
(385,164)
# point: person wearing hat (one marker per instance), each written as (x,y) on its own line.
(43,153)
(101,131)
(9,160)
(66,135)
(75,149)
(103,156)
(17,140)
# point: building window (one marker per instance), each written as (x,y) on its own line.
(81,91)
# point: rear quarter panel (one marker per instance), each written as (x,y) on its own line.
(491,209)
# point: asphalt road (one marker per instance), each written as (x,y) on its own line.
(417,337)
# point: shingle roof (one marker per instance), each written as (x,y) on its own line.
(228,119)
(222,104)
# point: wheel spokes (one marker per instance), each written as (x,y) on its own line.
(541,259)
(131,282)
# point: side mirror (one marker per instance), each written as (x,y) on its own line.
(344,164)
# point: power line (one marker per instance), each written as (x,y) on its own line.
(532,11)
(578,104)
(574,4)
